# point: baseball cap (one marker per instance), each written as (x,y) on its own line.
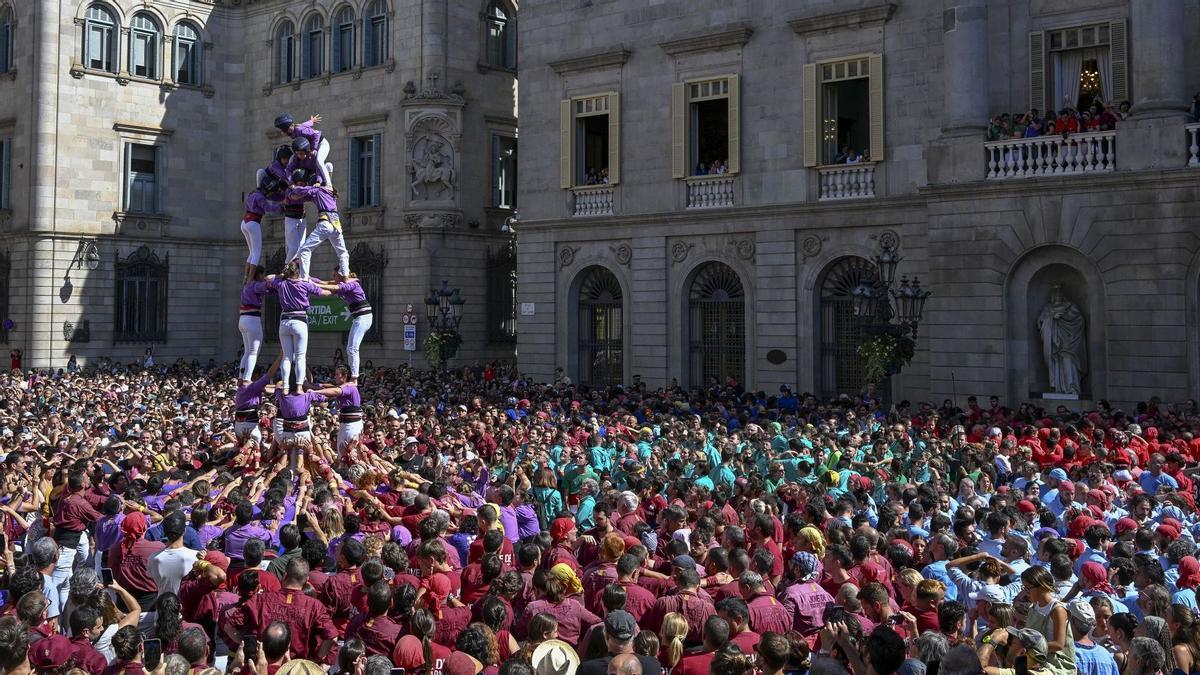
(989,593)
(684,561)
(620,625)
(50,653)
(1081,610)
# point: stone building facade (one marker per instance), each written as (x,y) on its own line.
(637,258)
(123,182)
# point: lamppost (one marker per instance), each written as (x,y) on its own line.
(889,314)
(443,310)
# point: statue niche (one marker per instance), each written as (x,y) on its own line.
(1061,327)
(433,176)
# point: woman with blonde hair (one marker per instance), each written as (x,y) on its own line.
(670,639)
(1048,616)
(906,582)
(927,596)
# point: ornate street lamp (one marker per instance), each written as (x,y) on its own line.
(443,311)
(885,310)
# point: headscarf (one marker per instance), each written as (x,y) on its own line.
(1189,572)
(1096,577)
(568,578)
(133,527)
(807,563)
(437,590)
(815,539)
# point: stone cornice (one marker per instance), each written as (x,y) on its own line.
(606,59)
(363,120)
(131,128)
(861,17)
(735,36)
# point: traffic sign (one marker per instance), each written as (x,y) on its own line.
(328,315)
(410,330)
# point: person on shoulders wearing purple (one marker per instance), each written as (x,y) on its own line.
(329,223)
(246,402)
(319,146)
(294,405)
(350,289)
(350,412)
(250,322)
(293,295)
(264,199)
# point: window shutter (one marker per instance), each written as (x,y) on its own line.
(1118,56)
(734,161)
(497,198)
(876,106)
(614,138)
(811,122)
(335,55)
(377,165)
(128,176)
(510,46)
(94,45)
(5,61)
(160,177)
(6,175)
(1037,71)
(679,167)
(356,153)
(566,146)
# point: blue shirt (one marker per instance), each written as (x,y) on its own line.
(1187,597)
(1094,660)
(583,515)
(938,571)
(1150,483)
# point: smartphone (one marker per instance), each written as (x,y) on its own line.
(397,671)
(895,619)
(152,653)
(106,577)
(250,648)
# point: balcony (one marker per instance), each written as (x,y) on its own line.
(1193,132)
(592,200)
(709,192)
(1093,152)
(846,181)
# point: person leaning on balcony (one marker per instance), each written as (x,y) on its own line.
(1108,118)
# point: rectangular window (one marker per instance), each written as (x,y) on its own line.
(99,47)
(375,47)
(5,173)
(843,111)
(504,171)
(140,310)
(314,54)
(141,178)
(365,173)
(1078,66)
(6,33)
(187,67)
(343,48)
(590,140)
(143,59)
(704,133)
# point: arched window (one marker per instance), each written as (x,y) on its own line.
(375,34)
(716,326)
(601,329)
(100,39)
(343,40)
(840,368)
(501,37)
(188,52)
(140,310)
(313,47)
(145,46)
(6,39)
(285,53)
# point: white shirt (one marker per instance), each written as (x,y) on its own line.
(169,566)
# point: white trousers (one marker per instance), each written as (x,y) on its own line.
(251,328)
(325,167)
(293,337)
(252,230)
(354,338)
(293,236)
(247,429)
(347,432)
(328,227)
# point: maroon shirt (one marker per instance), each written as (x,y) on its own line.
(573,618)
(129,570)
(747,640)
(595,579)
(768,615)
(695,608)
(72,514)
(125,668)
(473,587)
(564,555)
(626,523)
(694,664)
(307,618)
(86,656)
(338,595)
(638,600)
(506,553)
(451,623)
(378,633)
(777,564)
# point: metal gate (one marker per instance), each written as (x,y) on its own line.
(840,367)
(716,326)
(601,329)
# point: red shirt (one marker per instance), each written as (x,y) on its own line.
(307,617)
(747,640)
(129,570)
(451,623)
(86,656)
(507,556)
(378,633)
(266,582)
(125,668)
(695,608)
(637,599)
(777,564)
(694,664)
(595,579)
(564,555)
(626,523)
(338,595)
(73,513)
(768,615)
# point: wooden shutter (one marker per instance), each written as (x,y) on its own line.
(566,145)
(377,165)
(356,172)
(127,167)
(811,122)
(875,88)
(1037,72)
(368,43)
(6,175)
(614,138)
(1118,55)
(160,177)
(734,161)
(679,167)
(497,197)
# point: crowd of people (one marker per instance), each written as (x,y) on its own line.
(1030,124)
(155,521)
(596,176)
(717,167)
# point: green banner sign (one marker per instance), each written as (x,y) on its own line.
(328,315)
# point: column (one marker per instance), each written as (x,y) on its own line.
(1156,46)
(433,45)
(965,67)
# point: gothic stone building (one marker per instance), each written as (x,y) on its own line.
(131,131)
(688,213)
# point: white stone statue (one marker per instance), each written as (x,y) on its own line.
(1064,346)
(433,176)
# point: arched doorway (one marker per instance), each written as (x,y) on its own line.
(600,328)
(839,368)
(716,326)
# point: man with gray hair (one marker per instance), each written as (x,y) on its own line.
(377,665)
(43,556)
(1090,658)
(767,614)
(176,665)
(1146,655)
(628,518)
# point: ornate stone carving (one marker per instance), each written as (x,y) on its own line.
(810,246)
(622,253)
(433,159)
(77,333)
(433,220)
(743,247)
(888,239)
(566,256)
(680,251)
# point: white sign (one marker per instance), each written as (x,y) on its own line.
(527,308)
(410,330)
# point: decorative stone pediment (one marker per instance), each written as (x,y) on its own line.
(734,36)
(861,17)
(611,58)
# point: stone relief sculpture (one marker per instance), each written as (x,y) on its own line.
(432,174)
(1064,347)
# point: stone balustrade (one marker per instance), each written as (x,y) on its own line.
(1193,136)
(847,181)
(706,192)
(593,200)
(1092,152)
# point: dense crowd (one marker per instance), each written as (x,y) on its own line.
(483,523)
(1030,124)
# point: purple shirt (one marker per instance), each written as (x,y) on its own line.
(108,532)
(254,292)
(296,406)
(527,521)
(323,198)
(257,202)
(207,534)
(251,394)
(309,165)
(307,130)
(508,518)
(278,170)
(351,291)
(237,536)
(293,293)
(350,396)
